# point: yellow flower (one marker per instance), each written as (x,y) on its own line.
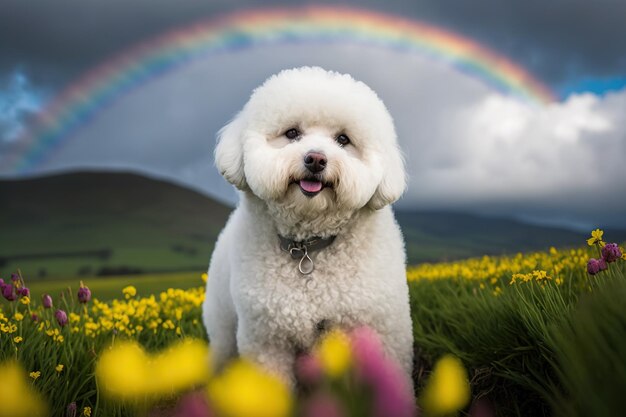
(129,292)
(334,353)
(127,372)
(87,411)
(25,300)
(17,339)
(180,367)
(204,277)
(17,397)
(596,237)
(447,389)
(121,370)
(59,368)
(35,375)
(244,390)
(18,316)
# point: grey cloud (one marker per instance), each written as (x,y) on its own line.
(467,147)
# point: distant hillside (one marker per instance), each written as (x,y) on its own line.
(119,223)
(105,223)
(432,236)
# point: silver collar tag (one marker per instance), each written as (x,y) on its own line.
(300,250)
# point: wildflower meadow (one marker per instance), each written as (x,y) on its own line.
(524,335)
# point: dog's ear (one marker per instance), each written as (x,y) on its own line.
(229,152)
(393,183)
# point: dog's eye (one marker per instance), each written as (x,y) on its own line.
(292,134)
(343,140)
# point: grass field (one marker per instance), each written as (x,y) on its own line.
(108,288)
(532,334)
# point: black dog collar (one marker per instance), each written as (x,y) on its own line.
(300,250)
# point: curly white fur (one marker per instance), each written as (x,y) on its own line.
(257,302)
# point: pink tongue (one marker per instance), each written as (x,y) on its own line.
(311,186)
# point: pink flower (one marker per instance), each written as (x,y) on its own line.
(322,405)
(308,369)
(392,393)
(193,405)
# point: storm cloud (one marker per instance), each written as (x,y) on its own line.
(467,146)
(559,41)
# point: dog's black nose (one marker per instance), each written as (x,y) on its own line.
(315,161)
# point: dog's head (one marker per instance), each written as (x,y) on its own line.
(313,141)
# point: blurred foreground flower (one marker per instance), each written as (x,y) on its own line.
(245,390)
(334,353)
(17,397)
(392,393)
(127,373)
(447,389)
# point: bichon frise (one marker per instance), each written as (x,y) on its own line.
(313,243)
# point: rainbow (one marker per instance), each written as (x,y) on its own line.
(242,30)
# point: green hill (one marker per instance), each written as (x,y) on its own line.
(105,224)
(89,223)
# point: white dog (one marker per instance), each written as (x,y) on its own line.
(313,243)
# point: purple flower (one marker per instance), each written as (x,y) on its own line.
(71,410)
(46,300)
(34,317)
(84,294)
(61,317)
(392,392)
(322,405)
(593,266)
(24,292)
(602,264)
(1,283)
(193,405)
(611,252)
(15,277)
(308,369)
(8,292)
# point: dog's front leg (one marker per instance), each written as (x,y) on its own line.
(274,354)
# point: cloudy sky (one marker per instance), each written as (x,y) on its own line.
(469,146)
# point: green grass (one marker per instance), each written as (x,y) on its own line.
(536,348)
(108,288)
